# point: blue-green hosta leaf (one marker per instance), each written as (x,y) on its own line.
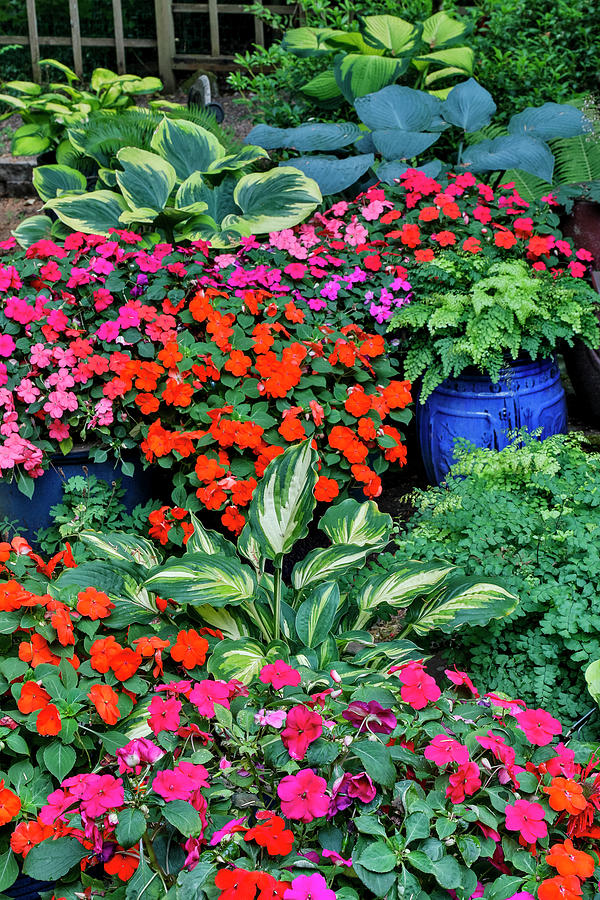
(92,213)
(303,42)
(511,152)
(357,75)
(393,143)
(274,200)
(316,615)
(120,545)
(51,181)
(334,175)
(242,659)
(469,106)
(32,229)
(202,578)
(351,522)
(463,601)
(203,540)
(397,107)
(552,120)
(391,33)
(323,87)
(187,146)
(284,501)
(400,588)
(233,161)
(231,625)
(321,565)
(317,136)
(218,200)
(146,180)
(441,30)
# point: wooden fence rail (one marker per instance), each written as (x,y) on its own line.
(166,11)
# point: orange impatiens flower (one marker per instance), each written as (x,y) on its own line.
(105,700)
(94,604)
(189,649)
(357,402)
(33,697)
(36,651)
(125,663)
(48,721)
(565,794)
(9,804)
(102,652)
(123,864)
(569,861)
(326,489)
(27,834)
(152,646)
(560,888)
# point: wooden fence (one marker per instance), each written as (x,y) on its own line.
(166,11)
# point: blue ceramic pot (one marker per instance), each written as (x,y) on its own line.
(34,513)
(528,395)
(26,888)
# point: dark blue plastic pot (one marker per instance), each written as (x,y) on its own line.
(26,888)
(529,395)
(34,513)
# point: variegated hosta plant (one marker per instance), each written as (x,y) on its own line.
(307,618)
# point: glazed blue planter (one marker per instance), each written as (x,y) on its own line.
(26,888)
(34,513)
(528,395)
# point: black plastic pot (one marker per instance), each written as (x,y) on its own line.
(26,888)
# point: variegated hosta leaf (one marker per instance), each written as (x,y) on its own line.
(115,578)
(119,545)
(388,653)
(352,522)
(355,637)
(199,579)
(241,659)
(400,588)
(136,724)
(321,565)
(328,653)
(316,615)
(249,547)
(202,540)
(232,626)
(463,601)
(284,501)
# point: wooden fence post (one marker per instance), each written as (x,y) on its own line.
(34,45)
(165,39)
(259,29)
(76,36)
(213,24)
(119,42)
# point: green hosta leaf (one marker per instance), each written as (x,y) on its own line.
(59,759)
(469,106)
(351,522)
(320,565)
(377,857)
(463,601)
(323,87)
(92,213)
(119,545)
(146,180)
(108,577)
(357,75)
(131,827)
(377,760)
(229,624)
(50,860)
(391,33)
(29,140)
(316,615)
(592,678)
(274,200)
(8,870)
(462,59)
(32,229)
(202,540)
(441,30)
(50,181)
(284,501)
(306,41)
(411,580)
(183,816)
(200,578)
(187,146)
(233,161)
(241,659)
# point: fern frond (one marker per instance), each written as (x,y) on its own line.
(527,186)
(577,158)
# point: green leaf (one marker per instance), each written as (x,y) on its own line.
(229,624)
(377,761)
(120,545)
(592,678)
(203,540)
(388,653)
(51,181)
(416,826)
(59,759)
(304,42)
(502,887)
(390,33)
(447,872)
(183,816)
(351,522)
(377,857)
(241,659)
(400,588)
(146,180)
(189,884)
(8,870)
(131,827)
(283,503)
(50,860)
(357,75)
(370,825)
(198,578)
(316,615)
(274,200)
(187,146)
(441,30)
(463,601)
(233,161)
(144,884)
(320,565)
(92,213)
(31,230)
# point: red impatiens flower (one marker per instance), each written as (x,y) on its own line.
(189,649)
(418,688)
(526,818)
(48,721)
(463,782)
(302,727)
(94,604)
(105,700)
(33,697)
(270,832)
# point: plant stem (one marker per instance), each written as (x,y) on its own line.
(152,857)
(277,595)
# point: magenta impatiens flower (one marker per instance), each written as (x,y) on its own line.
(280,675)
(418,688)
(464,782)
(539,726)
(309,887)
(302,727)
(461,678)
(443,750)
(370,716)
(526,818)
(164,714)
(303,796)
(205,694)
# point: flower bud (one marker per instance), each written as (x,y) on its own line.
(335,676)
(113,819)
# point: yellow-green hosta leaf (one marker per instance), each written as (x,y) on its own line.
(132,84)
(229,624)
(31,139)
(592,677)
(441,30)
(187,146)
(102,78)
(463,601)
(92,213)
(316,615)
(460,57)
(202,578)
(119,545)
(351,522)
(24,87)
(242,659)
(358,75)
(322,87)
(284,501)
(55,64)
(391,33)
(321,565)
(306,41)
(146,180)
(400,588)
(274,200)
(52,181)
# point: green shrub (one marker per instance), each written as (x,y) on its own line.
(529,515)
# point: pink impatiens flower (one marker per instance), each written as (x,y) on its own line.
(459,678)
(539,726)
(164,714)
(303,796)
(444,749)
(526,818)
(303,726)
(205,694)
(280,675)
(464,782)
(418,688)
(309,887)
